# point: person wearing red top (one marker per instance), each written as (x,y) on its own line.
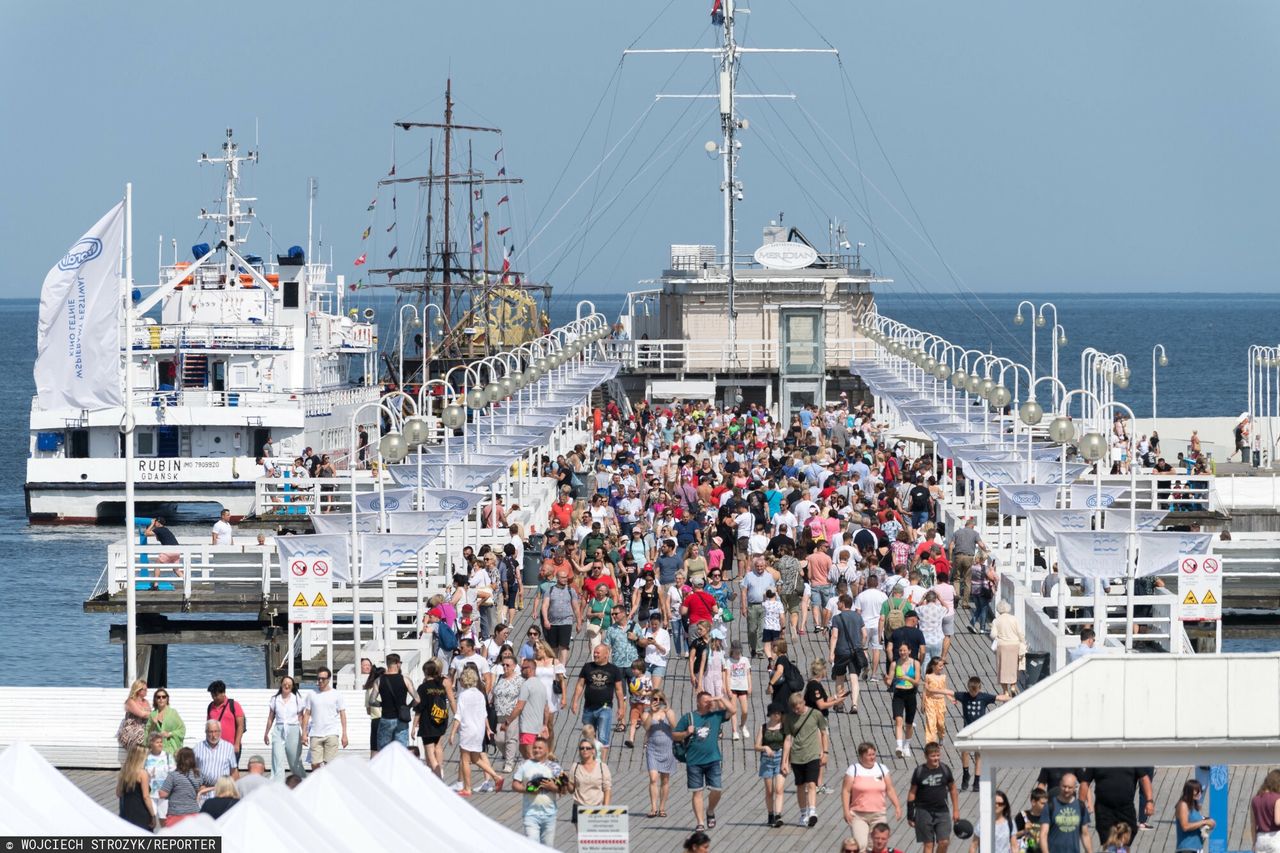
(699,605)
(595,578)
(562,512)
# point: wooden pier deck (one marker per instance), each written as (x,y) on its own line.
(741,812)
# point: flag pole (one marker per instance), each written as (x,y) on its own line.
(131,593)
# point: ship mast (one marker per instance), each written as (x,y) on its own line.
(728,124)
(231,212)
(730,54)
(448,186)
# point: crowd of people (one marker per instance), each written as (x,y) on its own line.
(773,572)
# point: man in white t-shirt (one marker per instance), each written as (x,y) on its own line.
(324,720)
(467,654)
(785,518)
(222,532)
(803,509)
(868,603)
(657,645)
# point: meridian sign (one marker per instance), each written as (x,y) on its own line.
(785,256)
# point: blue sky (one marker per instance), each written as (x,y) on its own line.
(1095,146)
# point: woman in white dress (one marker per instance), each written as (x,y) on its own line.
(470,728)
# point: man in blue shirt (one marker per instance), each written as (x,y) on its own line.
(699,731)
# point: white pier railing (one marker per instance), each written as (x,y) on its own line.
(672,355)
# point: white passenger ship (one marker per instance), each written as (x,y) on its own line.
(230,350)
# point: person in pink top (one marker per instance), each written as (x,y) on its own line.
(947,598)
(864,792)
(821,590)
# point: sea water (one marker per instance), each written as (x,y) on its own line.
(46,573)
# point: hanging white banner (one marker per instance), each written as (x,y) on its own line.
(996,473)
(384,553)
(78,333)
(1092,554)
(488,456)
(1160,553)
(428,524)
(321,556)
(1052,472)
(1085,495)
(1044,524)
(393,500)
(340,523)
(466,477)
(1146,520)
(450,500)
(1016,498)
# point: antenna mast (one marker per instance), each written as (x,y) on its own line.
(730,54)
(728,124)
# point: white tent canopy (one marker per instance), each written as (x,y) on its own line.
(328,813)
(36,799)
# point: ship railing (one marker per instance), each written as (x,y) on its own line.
(290,498)
(192,568)
(1169,492)
(204,397)
(317,403)
(232,336)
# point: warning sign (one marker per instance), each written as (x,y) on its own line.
(603,828)
(1200,588)
(310,590)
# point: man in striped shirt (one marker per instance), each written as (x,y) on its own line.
(215,757)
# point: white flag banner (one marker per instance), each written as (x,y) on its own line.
(1085,495)
(1016,498)
(1092,554)
(1146,520)
(1045,524)
(490,456)
(1160,553)
(1046,453)
(428,524)
(78,334)
(384,553)
(451,500)
(392,500)
(340,523)
(996,473)
(1052,472)
(322,554)
(949,442)
(467,477)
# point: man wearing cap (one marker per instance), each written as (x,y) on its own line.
(629,509)
(908,635)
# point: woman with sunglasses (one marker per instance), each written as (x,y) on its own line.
(284,732)
(1189,819)
(1002,841)
(165,721)
(505,695)
(590,781)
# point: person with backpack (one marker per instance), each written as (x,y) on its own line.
(785,677)
(893,615)
(228,713)
(847,650)
(697,746)
(791,579)
(982,591)
(431,717)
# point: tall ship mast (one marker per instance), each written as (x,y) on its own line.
(465,299)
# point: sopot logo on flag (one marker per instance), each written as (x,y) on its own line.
(80,254)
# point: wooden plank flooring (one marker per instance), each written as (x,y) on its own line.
(741,811)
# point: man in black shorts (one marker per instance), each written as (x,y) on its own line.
(805,751)
(848,638)
(931,784)
(561,613)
